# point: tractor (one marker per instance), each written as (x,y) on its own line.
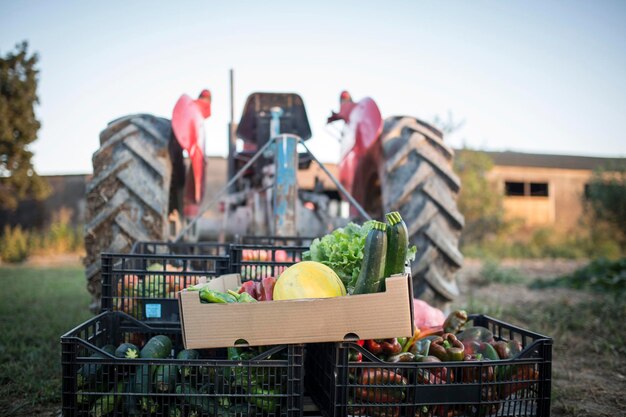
(149,180)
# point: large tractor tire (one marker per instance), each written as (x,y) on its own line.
(128,195)
(418,181)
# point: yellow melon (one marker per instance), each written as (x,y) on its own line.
(308,279)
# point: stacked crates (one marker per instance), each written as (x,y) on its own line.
(139,302)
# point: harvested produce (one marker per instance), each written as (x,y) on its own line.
(341,250)
(397,244)
(373,265)
(308,280)
(127,351)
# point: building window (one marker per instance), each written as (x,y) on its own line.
(514,188)
(520,189)
(538,189)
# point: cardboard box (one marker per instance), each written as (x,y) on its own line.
(369,316)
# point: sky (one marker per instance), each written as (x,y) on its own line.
(528,76)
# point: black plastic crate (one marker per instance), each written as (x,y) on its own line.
(514,387)
(268,384)
(182,248)
(145,285)
(255,262)
(276,240)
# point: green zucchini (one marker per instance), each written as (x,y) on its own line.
(127,351)
(165,378)
(89,373)
(373,264)
(107,403)
(158,347)
(187,354)
(397,244)
(175,412)
(195,400)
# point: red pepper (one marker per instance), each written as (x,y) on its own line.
(380,394)
(373,346)
(447,348)
(523,376)
(391,347)
(391,411)
(250,288)
(381,376)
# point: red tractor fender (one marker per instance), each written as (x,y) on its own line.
(188,126)
(364,123)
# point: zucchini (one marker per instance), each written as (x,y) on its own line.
(158,347)
(373,264)
(107,403)
(127,351)
(89,373)
(397,244)
(195,400)
(187,354)
(165,378)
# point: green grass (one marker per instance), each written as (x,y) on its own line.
(492,273)
(37,306)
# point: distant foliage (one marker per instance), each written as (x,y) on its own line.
(17,244)
(479,201)
(18,128)
(600,275)
(606,200)
(14,245)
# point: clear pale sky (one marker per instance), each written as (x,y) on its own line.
(531,76)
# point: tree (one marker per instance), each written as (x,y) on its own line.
(18,128)
(479,201)
(606,200)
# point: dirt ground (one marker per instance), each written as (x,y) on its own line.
(587,379)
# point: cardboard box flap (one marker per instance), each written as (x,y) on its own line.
(367,316)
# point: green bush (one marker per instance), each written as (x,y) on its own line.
(600,275)
(14,247)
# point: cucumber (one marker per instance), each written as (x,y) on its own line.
(127,351)
(397,244)
(186,354)
(165,378)
(89,373)
(158,347)
(373,264)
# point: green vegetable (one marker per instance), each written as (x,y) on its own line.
(373,264)
(175,412)
(127,351)
(165,377)
(107,403)
(158,347)
(211,296)
(202,404)
(265,399)
(397,244)
(187,354)
(341,250)
(90,372)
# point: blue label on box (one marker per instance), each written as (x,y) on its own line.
(153,311)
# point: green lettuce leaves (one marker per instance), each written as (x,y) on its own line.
(341,250)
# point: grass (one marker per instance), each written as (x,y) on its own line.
(492,273)
(583,312)
(37,305)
